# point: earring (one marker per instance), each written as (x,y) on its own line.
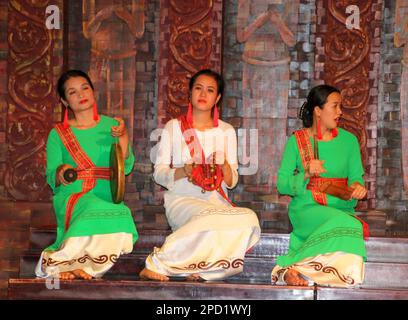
(190,114)
(95,112)
(319,130)
(65,122)
(334,132)
(215,116)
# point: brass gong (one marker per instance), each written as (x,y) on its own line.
(117,175)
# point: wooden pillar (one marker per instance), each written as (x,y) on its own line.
(34,64)
(190,40)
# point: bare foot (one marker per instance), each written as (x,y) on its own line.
(81,274)
(66,276)
(294,278)
(194,277)
(151,275)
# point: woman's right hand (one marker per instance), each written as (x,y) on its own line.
(188,170)
(183,172)
(60,174)
(315,168)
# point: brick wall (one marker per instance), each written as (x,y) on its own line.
(140,186)
(271,208)
(390,194)
(142,191)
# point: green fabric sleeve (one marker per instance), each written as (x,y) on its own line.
(130,161)
(290,183)
(355,165)
(54,158)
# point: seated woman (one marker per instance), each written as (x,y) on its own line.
(197,162)
(326,244)
(92,231)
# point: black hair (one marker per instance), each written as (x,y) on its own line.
(316,97)
(70,74)
(208,72)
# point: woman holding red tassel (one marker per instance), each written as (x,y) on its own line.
(321,169)
(197,161)
(92,231)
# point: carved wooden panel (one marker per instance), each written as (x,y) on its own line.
(32,68)
(351,63)
(191,31)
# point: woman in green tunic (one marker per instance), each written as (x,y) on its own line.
(92,231)
(326,244)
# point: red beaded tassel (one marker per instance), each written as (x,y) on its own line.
(65,123)
(95,112)
(334,132)
(190,114)
(319,130)
(215,116)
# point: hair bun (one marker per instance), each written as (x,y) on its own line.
(303,111)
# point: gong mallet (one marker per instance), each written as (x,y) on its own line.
(70,175)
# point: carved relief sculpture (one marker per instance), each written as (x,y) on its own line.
(264,26)
(347,66)
(112,29)
(351,63)
(191,48)
(32,66)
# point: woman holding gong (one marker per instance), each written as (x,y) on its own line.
(321,170)
(92,230)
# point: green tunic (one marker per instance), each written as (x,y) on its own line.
(321,229)
(95,212)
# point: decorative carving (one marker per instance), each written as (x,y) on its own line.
(31,98)
(347,66)
(265,29)
(190,12)
(191,46)
(112,30)
(191,43)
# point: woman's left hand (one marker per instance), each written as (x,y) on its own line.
(217,157)
(359,191)
(221,159)
(121,132)
(120,129)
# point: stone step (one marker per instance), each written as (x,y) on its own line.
(256,270)
(361,294)
(150,290)
(182,290)
(379,249)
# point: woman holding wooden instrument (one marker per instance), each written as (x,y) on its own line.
(321,170)
(93,229)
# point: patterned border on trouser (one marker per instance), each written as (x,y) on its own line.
(99,260)
(336,232)
(223,263)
